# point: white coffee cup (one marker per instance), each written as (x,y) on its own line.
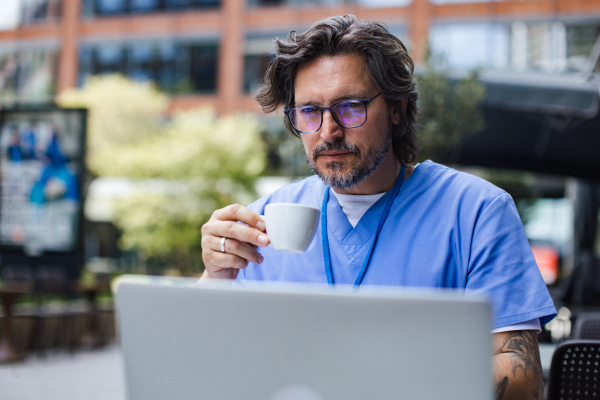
(291,227)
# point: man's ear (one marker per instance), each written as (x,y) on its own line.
(396,113)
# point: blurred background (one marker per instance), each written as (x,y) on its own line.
(140,121)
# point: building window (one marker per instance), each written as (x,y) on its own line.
(258,50)
(255,67)
(114,7)
(154,62)
(580,41)
(143,62)
(33,11)
(144,5)
(262,3)
(469,45)
(110,59)
(330,3)
(108,7)
(178,4)
(177,68)
(203,63)
(28,75)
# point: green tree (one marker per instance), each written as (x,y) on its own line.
(121,112)
(448,112)
(183,167)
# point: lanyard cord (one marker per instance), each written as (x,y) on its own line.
(324,237)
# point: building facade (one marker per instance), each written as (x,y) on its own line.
(214,51)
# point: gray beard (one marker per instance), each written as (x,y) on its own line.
(335,179)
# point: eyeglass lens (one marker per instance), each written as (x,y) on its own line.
(349,114)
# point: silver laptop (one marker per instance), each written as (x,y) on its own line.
(291,342)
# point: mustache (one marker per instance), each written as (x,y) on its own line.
(337,145)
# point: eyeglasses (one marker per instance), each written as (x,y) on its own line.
(347,113)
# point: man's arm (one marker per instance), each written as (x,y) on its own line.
(517,367)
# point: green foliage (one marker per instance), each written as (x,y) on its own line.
(182,168)
(285,152)
(164,226)
(448,112)
(122,112)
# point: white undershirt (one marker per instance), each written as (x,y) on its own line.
(356,205)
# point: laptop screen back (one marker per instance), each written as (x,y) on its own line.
(303,343)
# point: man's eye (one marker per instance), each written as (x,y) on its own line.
(349,104)
(308,110)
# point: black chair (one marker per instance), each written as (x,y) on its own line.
(575,371)
(587,326)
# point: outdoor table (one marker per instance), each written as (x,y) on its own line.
(9,293)
(92,338)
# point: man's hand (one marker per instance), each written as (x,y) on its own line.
(517,367)
(240,243)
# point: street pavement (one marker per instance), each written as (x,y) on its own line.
(90,375)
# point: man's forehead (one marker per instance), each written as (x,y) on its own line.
(330,78)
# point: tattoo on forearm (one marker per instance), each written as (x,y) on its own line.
(524,355)
(501,388)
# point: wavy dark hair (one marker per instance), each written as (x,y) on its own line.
(386,58)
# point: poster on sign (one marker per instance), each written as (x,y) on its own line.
(41,171)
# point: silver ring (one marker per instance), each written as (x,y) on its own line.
(223,244)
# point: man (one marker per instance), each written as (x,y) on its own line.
(348,92)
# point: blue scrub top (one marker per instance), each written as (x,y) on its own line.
(446,229)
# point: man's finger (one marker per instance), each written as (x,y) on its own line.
(241,232)
(226,260)
(240,249)
(236,212)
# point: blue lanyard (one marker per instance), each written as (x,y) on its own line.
(386,210)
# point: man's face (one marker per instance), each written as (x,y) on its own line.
(343,157)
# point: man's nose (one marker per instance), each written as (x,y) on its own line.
(330,130)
